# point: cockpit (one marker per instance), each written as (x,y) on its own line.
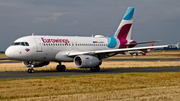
(20,44)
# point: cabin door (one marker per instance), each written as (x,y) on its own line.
(38,45)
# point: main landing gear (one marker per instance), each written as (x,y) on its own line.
(95,69)
(61,68)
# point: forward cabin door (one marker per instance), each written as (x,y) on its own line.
(38,45)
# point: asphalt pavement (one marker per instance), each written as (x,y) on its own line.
(17,75)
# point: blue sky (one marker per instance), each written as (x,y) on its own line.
(153,20)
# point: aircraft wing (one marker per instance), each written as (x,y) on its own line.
(142,42)
(114,50)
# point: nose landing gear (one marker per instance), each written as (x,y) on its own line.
(31,70)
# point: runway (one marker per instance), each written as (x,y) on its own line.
(16,75)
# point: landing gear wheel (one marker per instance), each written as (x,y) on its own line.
(30,70)
(95,69)
(61,68)
(136,54)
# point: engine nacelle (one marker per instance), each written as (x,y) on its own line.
(86,61)
(144,53)
(36,64)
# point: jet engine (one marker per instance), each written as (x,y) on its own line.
(86,61)
(144,53)
(36,64)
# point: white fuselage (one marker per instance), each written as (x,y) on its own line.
(55,48)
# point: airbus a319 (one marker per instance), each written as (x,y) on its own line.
(85,52)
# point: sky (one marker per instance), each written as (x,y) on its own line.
(153,19)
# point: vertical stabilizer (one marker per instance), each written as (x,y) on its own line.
(152,43)
(177,45)
(125,27)
(122,36)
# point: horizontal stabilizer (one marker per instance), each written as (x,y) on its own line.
(142,42)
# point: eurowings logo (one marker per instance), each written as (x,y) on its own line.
(27,49)
(66,41)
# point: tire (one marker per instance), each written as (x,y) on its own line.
(61,68)
(92,69)
(95,69)
(30,70)
(58,68)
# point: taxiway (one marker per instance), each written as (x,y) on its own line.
(17,75)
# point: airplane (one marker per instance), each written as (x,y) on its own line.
(142,52)
(175,45)
(85,52)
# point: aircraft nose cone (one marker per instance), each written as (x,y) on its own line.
(9,52)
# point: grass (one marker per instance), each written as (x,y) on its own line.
(126,86)
(2,55)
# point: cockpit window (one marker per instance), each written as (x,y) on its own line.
(26,44)
(16,43)
(20,43)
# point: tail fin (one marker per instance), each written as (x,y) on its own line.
(177,45)
(123,32)
(152,43)
(125,27)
